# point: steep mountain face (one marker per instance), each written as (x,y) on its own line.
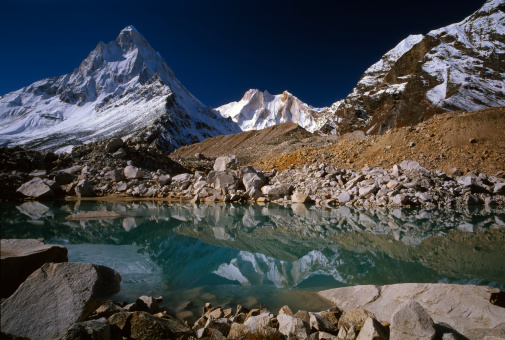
(123,88)
(458,67)
(258,110)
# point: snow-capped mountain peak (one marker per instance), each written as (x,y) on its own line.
(258,110)
(122,88)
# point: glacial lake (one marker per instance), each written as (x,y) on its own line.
(267,255)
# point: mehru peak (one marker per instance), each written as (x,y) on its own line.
(123,88)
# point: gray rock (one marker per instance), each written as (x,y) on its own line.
(21,257)
(132,172)
(411,322)
(321,324)
(114,144)
(120,154)
(66,294)
(253,180)
(93,329)
(292,327)
(280,191)
(36,188)
(499,188)
(182,178)
(224,180)
(399,199)
(221,324)
(467,181)
(116,175)
(147,304)
(299,197)
(344,197)
(108,309)
(462,307)
(63,178)
(259,321)
(373,330)
(224,163)
(164,179)
(145,326)
(354,318)
(368,190)
(84,188)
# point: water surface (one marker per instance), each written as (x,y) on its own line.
(270,254)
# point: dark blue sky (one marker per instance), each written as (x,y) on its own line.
(219,49)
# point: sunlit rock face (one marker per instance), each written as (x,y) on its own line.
(123,88)
(458,67)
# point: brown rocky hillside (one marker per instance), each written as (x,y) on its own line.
(465,140)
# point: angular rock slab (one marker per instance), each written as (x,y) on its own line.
(36,188)
(56,296)
(19,258)
(411,322)
(462,307)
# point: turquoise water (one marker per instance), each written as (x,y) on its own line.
(268,255)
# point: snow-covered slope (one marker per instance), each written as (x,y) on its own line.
(458,67)
(123,88)
(258,110)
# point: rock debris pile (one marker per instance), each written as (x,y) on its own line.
(405,184)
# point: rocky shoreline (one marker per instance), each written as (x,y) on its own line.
(101,170)
(70,301)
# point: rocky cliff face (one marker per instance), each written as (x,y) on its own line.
(258,110)
(458,67)
(123,88)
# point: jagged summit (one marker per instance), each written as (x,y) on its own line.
(123,88)
(258,110)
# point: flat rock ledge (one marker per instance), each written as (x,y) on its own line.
(19,258)
(472,311)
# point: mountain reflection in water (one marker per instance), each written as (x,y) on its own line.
(272,252)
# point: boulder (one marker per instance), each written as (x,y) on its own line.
(36,188)
(373,330)
(120,154)
(64,178)
(224,180)
(462,307)
(84,188)
(320,324)
(499,188)
(132,172)
(114,145)
(344,197)
(299,197)
(253,180)
(66,294)
(20,258)
(281,190)
(144,326)
(116,175)
(411,322)
(258,321)
(147,304)
(292,327)
(368,190)
(354,318)
(93,329)
(224,163)
(108,309)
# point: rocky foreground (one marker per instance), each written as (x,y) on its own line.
(70,301)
